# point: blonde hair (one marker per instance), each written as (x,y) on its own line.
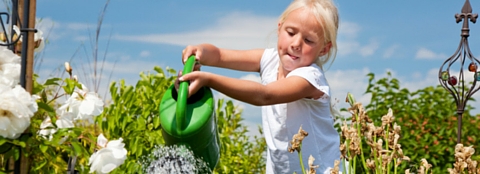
(326,14)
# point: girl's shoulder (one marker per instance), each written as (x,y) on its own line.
(315,76)
(312,70)
(269,55)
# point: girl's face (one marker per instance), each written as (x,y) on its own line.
(300,40)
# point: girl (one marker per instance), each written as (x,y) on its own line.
(294,91)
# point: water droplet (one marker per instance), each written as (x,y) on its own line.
(174,159)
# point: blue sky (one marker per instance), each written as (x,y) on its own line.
(410,38)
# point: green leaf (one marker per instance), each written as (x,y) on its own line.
(2,140)
(16,153)
(39,166)
(45,107)
(19,143)
(156,122)
(52,81)
(78,149)
(70,86)
(43,148)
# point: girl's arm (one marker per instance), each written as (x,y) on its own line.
(281,91)
(210,55)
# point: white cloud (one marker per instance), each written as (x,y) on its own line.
(369,49)
(424,53)
(352,81)
(348,47)
(238,30)
(390,51)
(348,42)
(420,80)
(348,30)
(252,77)
(145,53)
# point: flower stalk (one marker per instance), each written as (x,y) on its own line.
(296,145)
(385,152)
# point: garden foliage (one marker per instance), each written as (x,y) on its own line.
(131,114)
(428,120)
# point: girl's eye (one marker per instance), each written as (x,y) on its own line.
(290,33)
(308,41)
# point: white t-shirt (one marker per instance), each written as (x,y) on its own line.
(282,121)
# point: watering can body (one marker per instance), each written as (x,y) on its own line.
(191,121)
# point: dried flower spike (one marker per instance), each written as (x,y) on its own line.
(297,140)
(463,160)
(311,166)
(336,167)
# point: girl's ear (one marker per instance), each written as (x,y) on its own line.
(279,26)
(326,48)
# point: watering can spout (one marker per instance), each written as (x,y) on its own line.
(190,121)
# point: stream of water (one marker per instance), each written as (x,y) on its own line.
(174,159)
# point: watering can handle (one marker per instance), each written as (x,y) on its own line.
(183,94)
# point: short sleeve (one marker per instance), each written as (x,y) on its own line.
(267,57)
(315,76)
(269,66)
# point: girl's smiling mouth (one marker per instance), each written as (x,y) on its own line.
(292,56)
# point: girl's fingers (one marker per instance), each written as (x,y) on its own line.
(195,82)
(193,88)
(185,77)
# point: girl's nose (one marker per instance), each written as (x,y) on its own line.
(296,43)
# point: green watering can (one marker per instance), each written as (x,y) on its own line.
(191,121)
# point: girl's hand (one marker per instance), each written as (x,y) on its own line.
(196,50)
(197,80)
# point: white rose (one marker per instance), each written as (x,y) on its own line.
(9,67)
(111,155)
(47,129)
(14,113)
(83,104)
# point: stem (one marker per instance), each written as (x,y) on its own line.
(344,168)
(348,155)
(301,159)
(386,148)
(386,138)
(395,163)
(354,164)
(375,157)
(361,149)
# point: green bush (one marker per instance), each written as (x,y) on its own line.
(239,152)
(131,114)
